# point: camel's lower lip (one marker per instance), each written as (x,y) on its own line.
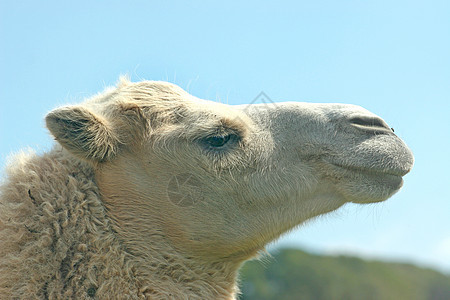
(396,172)
(354,181)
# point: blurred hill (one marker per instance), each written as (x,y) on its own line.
(295,274)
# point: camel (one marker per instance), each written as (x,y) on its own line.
(152,193)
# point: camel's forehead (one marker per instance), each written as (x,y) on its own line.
(174,104)
(138,91)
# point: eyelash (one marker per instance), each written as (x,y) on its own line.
(219,142)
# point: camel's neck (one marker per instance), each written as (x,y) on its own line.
(53,204)
(146,230)
(165,272)
(169,275)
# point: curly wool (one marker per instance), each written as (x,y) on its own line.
(56,239)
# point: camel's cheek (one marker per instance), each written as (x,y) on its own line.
(177,235)
(193,231)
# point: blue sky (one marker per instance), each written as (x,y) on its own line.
(391,57)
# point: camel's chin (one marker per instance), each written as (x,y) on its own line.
(368,186)
(374,188)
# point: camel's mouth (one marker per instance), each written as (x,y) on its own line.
(374,170)
(360,184)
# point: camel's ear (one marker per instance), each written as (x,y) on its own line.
(81,132)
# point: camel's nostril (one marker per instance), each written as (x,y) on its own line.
(368,121)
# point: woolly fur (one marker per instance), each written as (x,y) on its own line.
(56,238)
(57,241)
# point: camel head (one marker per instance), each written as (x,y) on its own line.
(216,181)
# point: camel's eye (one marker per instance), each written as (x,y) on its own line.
(218,141)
